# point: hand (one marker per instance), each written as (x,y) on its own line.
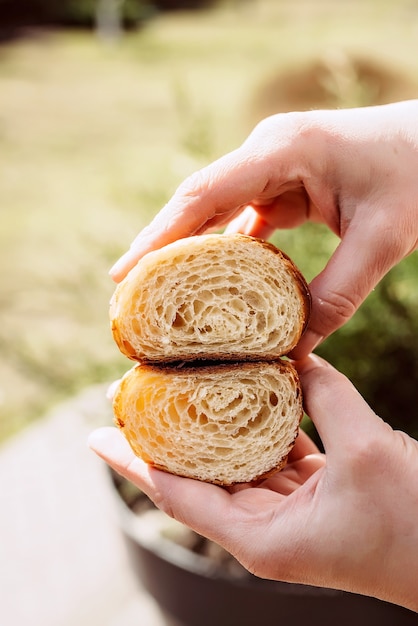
(346,520)
(353,170)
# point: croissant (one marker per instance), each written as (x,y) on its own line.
(208,318)
(224,424)
(213,297)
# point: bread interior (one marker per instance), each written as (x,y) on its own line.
(220,297)
(224,424)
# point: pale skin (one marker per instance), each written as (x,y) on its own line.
(346,519)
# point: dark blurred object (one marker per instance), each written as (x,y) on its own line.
(176,5)
(337,80)
(196,583)
(19,16)
(30,13)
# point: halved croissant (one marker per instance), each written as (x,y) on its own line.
(225,423)
(218,297)
(225,308)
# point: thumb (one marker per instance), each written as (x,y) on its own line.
(341,415)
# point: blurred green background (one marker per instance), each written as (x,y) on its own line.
(105,107)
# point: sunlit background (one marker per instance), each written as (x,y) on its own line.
(106,106)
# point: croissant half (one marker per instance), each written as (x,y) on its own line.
(210,297)
(224,424)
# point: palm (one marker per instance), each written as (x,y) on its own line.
(304,461)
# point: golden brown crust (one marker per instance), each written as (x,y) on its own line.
(256,480)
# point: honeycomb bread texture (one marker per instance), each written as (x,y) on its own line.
(225,423)
(211,297)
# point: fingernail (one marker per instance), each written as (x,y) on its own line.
(310,340)
(117,267)
(97,437)
(123,265)
(314,339)
(111,390)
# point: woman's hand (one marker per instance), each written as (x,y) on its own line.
(354,170)
(345,520)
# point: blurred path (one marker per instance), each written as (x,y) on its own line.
(62,559)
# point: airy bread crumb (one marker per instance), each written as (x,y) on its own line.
(226,423)
(210,297)
(208,319)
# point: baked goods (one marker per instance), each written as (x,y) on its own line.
(225,423)
(208,319)
(210,297)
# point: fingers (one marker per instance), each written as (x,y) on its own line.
(340,414)
(289,210)
(368,250)
(294,475)
(249,222)
(216,513)
(111,390)
(199,505)
(304,446)
(268,164)
(110,445)
(208,199)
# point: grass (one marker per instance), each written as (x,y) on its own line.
(94,138)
